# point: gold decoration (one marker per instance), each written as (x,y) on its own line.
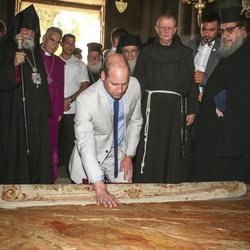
(12,196)
(246,8)
(121,6)
(199,5)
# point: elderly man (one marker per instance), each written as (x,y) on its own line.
(94,64)
(165,69)
(25,104)
(107,127)
(129,46)
(223,140)
(54,68)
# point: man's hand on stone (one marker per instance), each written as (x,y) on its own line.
(103,197)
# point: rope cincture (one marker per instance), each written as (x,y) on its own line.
(148,110)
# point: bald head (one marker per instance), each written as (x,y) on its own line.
(114,61)
(115,75)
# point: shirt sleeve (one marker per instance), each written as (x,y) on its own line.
(83,72)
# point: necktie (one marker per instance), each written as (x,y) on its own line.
(203,43)
(115,120)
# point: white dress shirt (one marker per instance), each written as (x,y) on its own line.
(202,56)
(75,73)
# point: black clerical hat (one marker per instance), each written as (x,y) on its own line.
(27,18)
(232,14)
(94,47)
(128,40)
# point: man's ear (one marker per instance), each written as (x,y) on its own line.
(175,30)
(103,76)
(156,29)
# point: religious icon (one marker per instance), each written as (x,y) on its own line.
(36,78)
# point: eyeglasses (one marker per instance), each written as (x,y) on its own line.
(229,30)
(163,28)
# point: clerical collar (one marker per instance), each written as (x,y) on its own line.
(45,52)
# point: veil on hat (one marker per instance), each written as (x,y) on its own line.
(26,18)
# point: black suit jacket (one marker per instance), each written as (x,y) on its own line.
(214,57)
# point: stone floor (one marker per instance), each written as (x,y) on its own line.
(63,176)
(209,224)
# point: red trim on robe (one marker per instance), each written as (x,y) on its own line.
(18,76)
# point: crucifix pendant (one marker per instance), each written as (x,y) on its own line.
(49,79)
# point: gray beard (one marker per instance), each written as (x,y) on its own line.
(95,69)
(132,63)
(28,43)
(226,50)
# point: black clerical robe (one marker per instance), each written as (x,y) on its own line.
(93,77)
(15,165)
(223,144)
(164,147)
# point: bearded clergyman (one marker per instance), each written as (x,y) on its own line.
(25,104)
(129,46)
(94,64)
(223,141)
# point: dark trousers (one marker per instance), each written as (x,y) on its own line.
(66,139)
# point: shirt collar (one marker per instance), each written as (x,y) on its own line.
(45,52)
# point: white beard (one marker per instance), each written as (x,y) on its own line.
(95,69)
(132,63)
(28,43)
(226,50)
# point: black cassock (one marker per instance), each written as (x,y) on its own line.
(16,166)
(223,144)
(163,146)
(93,77)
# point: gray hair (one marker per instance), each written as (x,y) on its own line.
(51,30)
(168,15)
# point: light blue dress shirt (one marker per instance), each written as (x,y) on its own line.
(120,123)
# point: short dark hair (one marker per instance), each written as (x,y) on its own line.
(68,35)
(211,17)
(117,33)
(245,22)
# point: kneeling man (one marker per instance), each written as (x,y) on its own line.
(107,128)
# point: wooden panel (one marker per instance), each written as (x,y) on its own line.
(67,4)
